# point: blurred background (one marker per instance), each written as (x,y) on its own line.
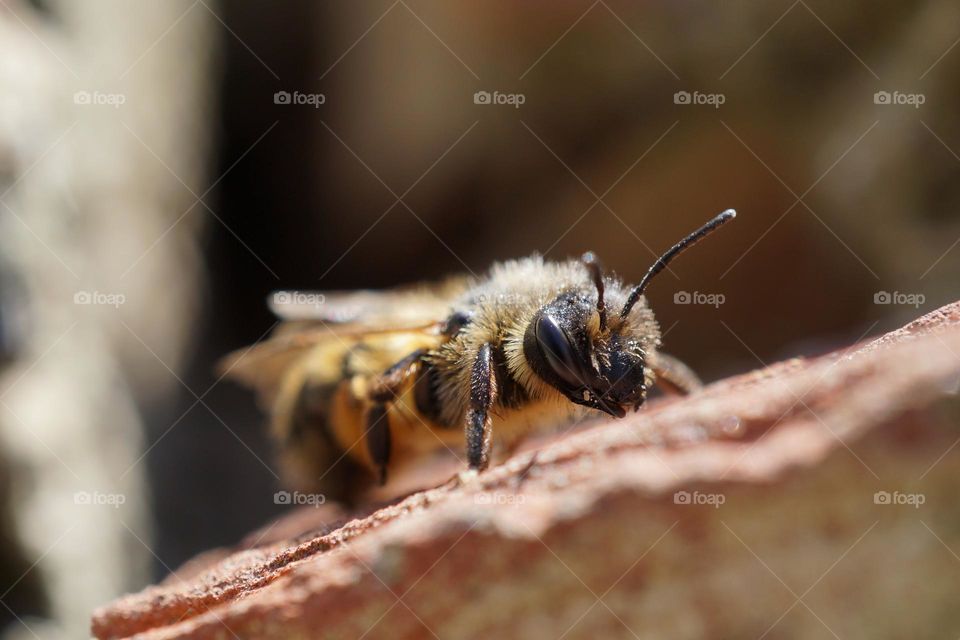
(163,166)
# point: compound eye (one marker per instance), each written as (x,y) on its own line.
(559,352)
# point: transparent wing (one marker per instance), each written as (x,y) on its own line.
(311,318)
(404,306)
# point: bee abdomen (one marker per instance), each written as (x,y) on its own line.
(310,414)
(311,452)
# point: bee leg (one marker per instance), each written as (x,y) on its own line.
(386,386)
(457,321)
(673,376)
(378,438)
(483,392)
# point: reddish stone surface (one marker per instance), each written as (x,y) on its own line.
(749,509)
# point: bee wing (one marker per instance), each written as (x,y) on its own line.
(262,366)
(409,305)
(313,318)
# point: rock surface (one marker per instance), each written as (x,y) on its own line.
(812,498)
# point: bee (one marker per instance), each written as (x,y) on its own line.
(364,382)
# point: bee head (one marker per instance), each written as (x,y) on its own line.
(593,360)
(597,367)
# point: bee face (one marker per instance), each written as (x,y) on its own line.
(602,369)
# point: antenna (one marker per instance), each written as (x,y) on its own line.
(672,253)
(592,264)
